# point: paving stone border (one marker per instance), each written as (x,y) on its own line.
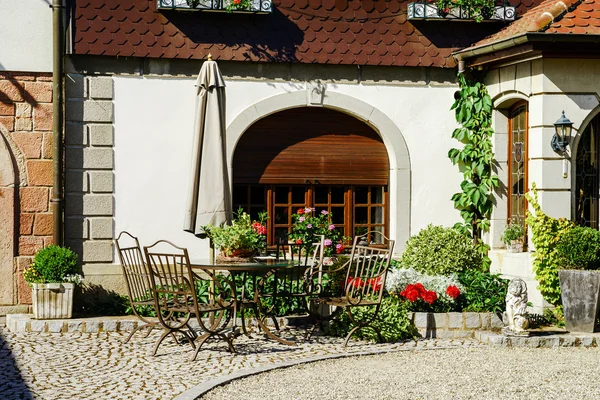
(541,340)
(26,323)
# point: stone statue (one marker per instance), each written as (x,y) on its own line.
(516,309)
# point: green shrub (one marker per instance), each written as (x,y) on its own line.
(440,251)
(52,264)
(513,231)
(545,233)
(483,292)
(579,248)
(392,320)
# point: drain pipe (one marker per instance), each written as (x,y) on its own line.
(58,46)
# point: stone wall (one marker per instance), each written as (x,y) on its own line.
(26,127)
(453,325)
(89,162)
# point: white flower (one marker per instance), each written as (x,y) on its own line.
(398,279)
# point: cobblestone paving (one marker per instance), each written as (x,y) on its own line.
(100,366)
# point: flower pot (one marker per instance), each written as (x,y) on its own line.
(515,246)
(52,300)
(580,294)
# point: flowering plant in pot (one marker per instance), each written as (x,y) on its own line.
(52,277)
(237,5)
(243,238)
(309,224)
(472,9)
(513,236)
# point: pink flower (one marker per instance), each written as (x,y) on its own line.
(327,242)
(324,212)
(338,246)
(331,227)
(309,226)
(308,210)
(301,219)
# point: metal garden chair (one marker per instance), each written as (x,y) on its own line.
(176,299)
(137,279)
(364,284)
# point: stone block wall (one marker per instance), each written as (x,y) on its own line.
(89,176)
(26,119)
(453,325)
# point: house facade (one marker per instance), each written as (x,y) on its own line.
(341,105)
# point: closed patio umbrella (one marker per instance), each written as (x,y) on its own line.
(209,198)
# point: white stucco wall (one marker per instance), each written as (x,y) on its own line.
(25,35)
(153,128)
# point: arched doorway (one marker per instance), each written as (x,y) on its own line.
(317,157)
(586,175)
(7,224)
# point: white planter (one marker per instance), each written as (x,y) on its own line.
(515,246)
(52,300)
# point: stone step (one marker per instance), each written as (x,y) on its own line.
(540,339)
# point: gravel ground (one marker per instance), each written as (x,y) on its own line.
(476,373)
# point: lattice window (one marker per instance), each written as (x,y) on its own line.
(586,176)
(517,181)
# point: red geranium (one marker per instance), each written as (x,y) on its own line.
(355,282)
(300,211)
(430,296)
(298,241)
(375,283)
(259,228)
(453,291)
(411,293)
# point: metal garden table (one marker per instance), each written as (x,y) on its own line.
(256,272)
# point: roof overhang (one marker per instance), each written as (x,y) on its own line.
(528,45)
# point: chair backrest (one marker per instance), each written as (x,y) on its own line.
(368,266)
(133,266)
(309,258)
(173,283)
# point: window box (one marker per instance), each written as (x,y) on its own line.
(254,6)
(429,11)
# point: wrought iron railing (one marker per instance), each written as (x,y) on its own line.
(254,6)
(429,11)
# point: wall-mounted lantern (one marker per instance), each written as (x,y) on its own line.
(562,134)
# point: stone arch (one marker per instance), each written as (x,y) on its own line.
(8,211)
(398,155)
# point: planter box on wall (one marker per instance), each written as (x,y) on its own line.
(52,300)
(429,11)
(580,294)
(255,7)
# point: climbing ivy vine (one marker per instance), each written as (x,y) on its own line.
(473,110)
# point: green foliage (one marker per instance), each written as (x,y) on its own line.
(546,232)
(310,224)
(473,110)
(52,264)
(440,251)
(392,320)
(579,248)
(237,5)
(513,231)
(484,292)
(243,234)
(476,9)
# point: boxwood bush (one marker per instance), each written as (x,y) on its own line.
(54,263)
(579,248)
(436,250)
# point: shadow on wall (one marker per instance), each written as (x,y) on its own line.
(272,39)
(11,381)
(90,300)
(15,91)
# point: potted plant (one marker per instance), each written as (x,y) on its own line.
(578,255)
(470,9)
(309,225)
(242,239)
(513,236)
(52,277)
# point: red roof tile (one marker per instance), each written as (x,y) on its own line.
(373,32)
(554,16)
